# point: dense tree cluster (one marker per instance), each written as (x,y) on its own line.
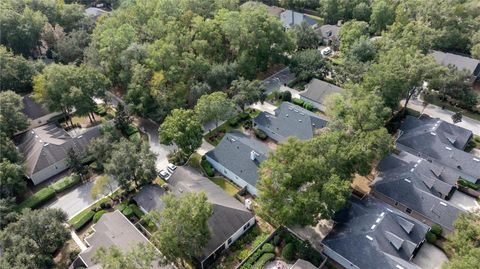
(164,53)
(464,244)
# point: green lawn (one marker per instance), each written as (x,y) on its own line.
(225,185)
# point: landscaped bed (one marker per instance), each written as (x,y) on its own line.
(226,185)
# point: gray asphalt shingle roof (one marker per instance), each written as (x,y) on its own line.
(229,215)
(459,61)
(373,235)
(233,152)
(49,144)
(317,90)
(329,31)
(434,139)
(113,229)
(291,18)
(290,120)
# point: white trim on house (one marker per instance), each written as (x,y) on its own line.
(232,176)
(339,258)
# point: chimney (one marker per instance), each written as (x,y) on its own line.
(253,155)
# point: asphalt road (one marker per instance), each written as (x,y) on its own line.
(75,200)
(161,150)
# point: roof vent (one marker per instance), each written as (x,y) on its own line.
(432,133)
(231,140)
(475,159)
(407,180)
(46,144)
(301,113)
(300,120)
(399,267)
(286,115)
(253,155)
(448,148)
(373,227)
(369,237)
(444,204)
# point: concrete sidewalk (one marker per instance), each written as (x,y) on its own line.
(443,114)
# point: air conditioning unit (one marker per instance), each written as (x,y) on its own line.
(248,204)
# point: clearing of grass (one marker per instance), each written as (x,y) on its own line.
(226,185)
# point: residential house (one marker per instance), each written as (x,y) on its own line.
(238,157)
(439,141)
(46,149)
(112,229)
(460,62)
(95,12)
(369,234)
(329,34)
(303,264)
(289,120)
(419,188)
(291,18)
(316,92)
(37,114)
(230,218)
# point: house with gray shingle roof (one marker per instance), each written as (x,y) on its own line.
(289,120)
(317,91)
(369,234)
(439,141)
(46,149)
(328,34)
(419,188)
(37,113)
(460,62)
(230,218)
(113,229)
(291,18)
(238,157)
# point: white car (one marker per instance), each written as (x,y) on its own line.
(171,167)
(164,174)
(326,51)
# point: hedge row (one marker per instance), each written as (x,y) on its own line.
(66,182)
(98,215)
(207,167)
(304,104)
(260,134)
(266,257)
(83,219)
(37,199)
(257,255)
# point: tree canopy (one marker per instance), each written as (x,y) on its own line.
(308,64)
(464,243)
(182,128)
(214,107)
(12,118)
(141,256)
(183,229)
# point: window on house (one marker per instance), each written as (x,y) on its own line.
(229,241)
(408,210)
(396,203)
(246,226)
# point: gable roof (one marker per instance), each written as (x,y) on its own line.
(95,12)
(113,229)
(459,61)
(229,215)
(290,120)
(149,197)
(329,31)
(434,139)
(291,18)
(317,90)
(233,152)
(370,228)
(49,144)
(37,113)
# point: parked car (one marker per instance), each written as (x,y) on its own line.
(164,174)
(326,51)
(171,167)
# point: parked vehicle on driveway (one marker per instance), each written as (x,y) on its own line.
(171,167)
(326,51)
(164,174)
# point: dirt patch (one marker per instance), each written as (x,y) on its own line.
(361,183)
(66,254)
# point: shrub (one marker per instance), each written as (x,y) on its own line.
(38,199)
(244,116)
(131,129)
(207,167)
(436,230)
(233,122)
(260,134)
(84,219)
(267,247)
(135,137)
(267,257)
(127,211)
(468,184)
(120,207)
(277,239)
(66,183)
(287,96)
(98,215)
(137,211)
(288,252)
(297,101)
(308,106)
(431,237)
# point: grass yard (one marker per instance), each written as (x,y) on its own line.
(226,185)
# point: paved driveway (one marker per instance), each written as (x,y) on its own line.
(161,150)
(446,115)
(278,79)
(430,257)
(75,200)
(464,201)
